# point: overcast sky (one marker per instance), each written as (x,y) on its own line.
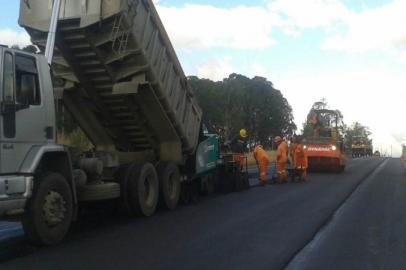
(351,52)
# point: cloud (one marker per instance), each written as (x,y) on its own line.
(375,29)
(196,27)
(9,37)
(215,69)
(202,27)
(308,14)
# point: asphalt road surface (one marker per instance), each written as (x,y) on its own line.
(353,220)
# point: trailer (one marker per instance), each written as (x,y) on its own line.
(117,73)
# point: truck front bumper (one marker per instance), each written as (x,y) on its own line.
(15,190)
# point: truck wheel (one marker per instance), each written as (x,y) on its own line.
(169,184)
(141,190)
(48,213)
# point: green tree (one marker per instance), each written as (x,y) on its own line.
(357,134)
(239,102)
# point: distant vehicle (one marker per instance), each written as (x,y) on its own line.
(377,154)
(362,147)
(323,143)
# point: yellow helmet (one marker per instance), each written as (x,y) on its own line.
(243,133)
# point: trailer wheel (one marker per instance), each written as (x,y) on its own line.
(141,190)
(169,184)
(48,213)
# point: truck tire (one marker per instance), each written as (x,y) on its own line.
(141,190)
(169,184)
(48,213)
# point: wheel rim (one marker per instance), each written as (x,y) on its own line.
(54,208)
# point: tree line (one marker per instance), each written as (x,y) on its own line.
(240,102)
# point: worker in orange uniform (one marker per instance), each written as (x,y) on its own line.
(262,159)
(299,158)
(281,160)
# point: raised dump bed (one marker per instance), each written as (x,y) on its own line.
(121,77)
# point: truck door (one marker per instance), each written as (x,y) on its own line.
(23,115)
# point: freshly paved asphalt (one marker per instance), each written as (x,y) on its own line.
(353,220)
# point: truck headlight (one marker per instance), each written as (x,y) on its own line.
(304,146)
(333,147)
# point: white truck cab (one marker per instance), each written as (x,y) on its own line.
(27,123)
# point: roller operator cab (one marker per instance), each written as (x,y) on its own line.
(122,82)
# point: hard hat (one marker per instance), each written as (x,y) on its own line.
(277,139)
(243,133)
